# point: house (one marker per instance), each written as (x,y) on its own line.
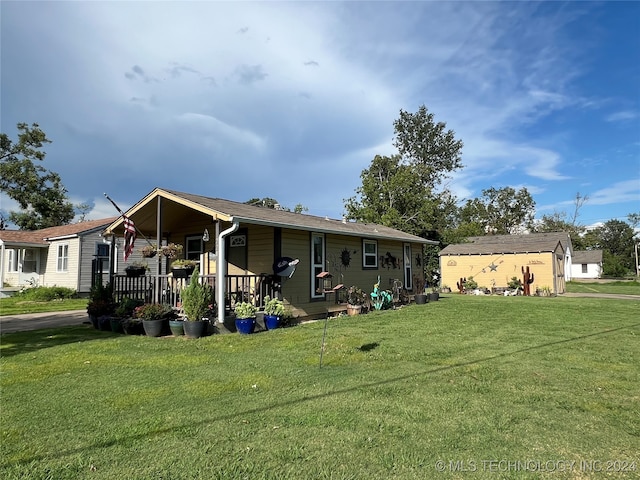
(241,247)
(586,264)
(494,260)
(65,256)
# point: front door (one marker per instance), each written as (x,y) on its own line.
(237,249)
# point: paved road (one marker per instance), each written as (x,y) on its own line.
(35,321)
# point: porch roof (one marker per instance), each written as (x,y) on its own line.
(144,212)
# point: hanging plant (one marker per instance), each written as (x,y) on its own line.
(149,251)
(172,250)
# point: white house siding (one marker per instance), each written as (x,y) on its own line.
(593,271)
(69,278)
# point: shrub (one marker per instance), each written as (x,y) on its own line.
(196,298)
(47,294)
(127,306)
(154,311)
(470,284)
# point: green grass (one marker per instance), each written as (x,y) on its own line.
(619,287)
(18,305)
(466,380)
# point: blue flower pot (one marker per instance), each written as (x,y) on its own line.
(245,326)
(271,321)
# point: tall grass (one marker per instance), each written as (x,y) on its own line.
(462,381)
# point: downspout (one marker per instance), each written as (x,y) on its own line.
(2,254)
(221,268)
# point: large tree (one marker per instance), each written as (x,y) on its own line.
(500,211)
(39,192)
(431,150)
(617,240)
(405,190)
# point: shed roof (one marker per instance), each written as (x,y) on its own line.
(227,210)
(524,243)
(586,256)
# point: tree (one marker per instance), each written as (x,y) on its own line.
(405,191)
(617,239)
(424,144)
(501,211)
(272,203)
(557,222)
(39,192)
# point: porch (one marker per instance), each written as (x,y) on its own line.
(166,289)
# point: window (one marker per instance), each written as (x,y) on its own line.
(584,268)
(317,264)
(408,272)
(369,254)
(63,258)
(194,248)
(13,261)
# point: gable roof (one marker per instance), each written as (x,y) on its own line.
(586,256)
(227,210)
(42,237)
(524,243)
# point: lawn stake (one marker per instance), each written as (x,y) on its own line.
(324,334)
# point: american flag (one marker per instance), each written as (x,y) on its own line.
(129,236)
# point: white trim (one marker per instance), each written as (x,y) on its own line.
(317,267)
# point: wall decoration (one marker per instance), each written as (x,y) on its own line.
(452,263)
(418,260)
(389,261)
(345,257)
(238,241)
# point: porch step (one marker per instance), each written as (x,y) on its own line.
(336,309)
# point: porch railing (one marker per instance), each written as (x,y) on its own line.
(239,288)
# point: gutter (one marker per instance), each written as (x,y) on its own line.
(221,267)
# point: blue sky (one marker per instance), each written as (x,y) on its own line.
(292,100)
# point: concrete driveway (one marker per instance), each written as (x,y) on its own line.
(36,321)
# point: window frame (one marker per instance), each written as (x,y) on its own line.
(62,258)
(317,267)
(365,255)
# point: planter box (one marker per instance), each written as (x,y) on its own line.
(180,272)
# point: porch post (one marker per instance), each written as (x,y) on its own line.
(156,293)
(221,268)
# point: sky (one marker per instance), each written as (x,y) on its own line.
(292,100)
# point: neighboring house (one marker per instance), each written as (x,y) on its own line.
(239,242)
(65,256)
(493,260)
(586,264)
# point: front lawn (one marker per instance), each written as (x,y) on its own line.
(620,287)
(466,387)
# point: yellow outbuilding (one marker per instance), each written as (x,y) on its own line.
(494,260)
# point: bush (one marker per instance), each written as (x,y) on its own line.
(196,298)
(154,311)
(470,284)
(127,306)
(47,294)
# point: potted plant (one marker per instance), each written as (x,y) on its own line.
(150,250)
(183,268)
(100,306)
(420,297)
(273,312)
(123,312)
(196,304)
(136,269)
(245,317)
(171,250)
(356,298)
(155,317)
